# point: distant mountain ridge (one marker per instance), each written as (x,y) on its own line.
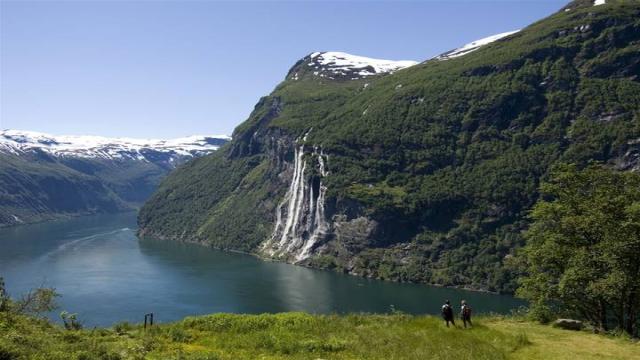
(46,176)
(17,141)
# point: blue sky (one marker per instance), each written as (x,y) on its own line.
(167,69)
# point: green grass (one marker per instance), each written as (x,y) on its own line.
(304,336)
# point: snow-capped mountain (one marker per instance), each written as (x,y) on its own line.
(97,147)
(339,65)
(342,66)
(473,46)
(48,176)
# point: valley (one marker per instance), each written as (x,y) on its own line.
(476,203)
(44,177)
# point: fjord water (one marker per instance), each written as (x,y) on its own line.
(106,275)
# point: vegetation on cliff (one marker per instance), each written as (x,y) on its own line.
(432,169)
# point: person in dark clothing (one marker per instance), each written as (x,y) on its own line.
(465,313)
(447,313)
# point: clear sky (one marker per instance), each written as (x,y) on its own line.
(175,68)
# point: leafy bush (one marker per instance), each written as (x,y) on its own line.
(36,302)
(582,251)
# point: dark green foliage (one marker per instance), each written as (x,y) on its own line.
(582,248)
(445,156)
(4,297)
(37,187)
(40,188)
(188,207)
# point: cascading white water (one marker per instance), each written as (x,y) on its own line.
(296,190)
(300,217)
(319,226)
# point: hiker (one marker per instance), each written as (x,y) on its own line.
(465,313)
(447,313)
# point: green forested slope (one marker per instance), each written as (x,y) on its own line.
(36,189)
(432,169)
(35,186)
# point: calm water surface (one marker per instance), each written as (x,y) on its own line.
(106,275)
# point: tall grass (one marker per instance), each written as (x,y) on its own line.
(271,336)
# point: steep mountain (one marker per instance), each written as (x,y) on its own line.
(44,176)
(416,172)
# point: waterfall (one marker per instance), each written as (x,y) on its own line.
(300,217)
(319,226)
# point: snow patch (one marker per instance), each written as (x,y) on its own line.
(473,46)
(343,64)
(599,2)
(17,142)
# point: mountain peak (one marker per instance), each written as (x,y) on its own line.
(340,65)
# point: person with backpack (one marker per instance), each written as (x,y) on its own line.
(465,313)
(447,313)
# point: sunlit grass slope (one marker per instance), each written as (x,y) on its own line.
(303,336)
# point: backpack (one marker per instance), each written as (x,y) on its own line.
(466,311)
(447,312)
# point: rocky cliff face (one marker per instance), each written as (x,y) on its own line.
(416,172)
(301,223)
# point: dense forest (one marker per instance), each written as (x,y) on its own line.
(431,170)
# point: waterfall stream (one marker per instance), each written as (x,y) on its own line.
(300,217)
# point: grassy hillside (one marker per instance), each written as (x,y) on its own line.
(432,169)
(303,336)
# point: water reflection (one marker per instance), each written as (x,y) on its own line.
(242,283)
(107,274)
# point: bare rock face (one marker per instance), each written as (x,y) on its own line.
(568,324)
(353,233)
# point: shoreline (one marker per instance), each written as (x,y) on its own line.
(146,234)
(65,217)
